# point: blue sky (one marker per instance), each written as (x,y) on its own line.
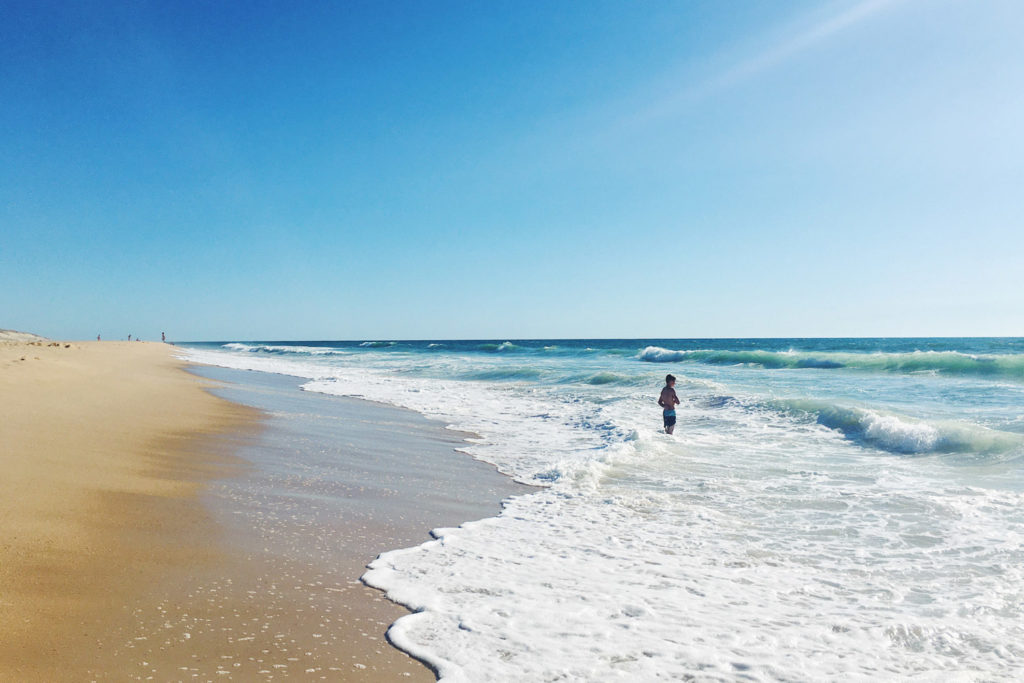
(274,170)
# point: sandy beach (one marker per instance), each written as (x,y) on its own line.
(162,524)
(100,446)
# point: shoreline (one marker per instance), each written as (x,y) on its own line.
(160,520)
(334,483)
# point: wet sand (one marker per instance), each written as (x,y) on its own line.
(331,483)
(154,530)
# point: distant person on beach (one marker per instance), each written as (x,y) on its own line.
(129,337)
(163,337)
(668,402)
(97,337)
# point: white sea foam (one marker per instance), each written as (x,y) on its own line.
(283,348)
(760,543)
(950,363)
(656,354)
(894,434)
(900,434)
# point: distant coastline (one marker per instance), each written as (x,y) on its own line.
(15,336)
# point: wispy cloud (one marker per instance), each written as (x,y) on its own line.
(783,49)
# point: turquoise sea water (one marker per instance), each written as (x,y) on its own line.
(827,507)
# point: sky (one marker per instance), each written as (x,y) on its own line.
(485,170)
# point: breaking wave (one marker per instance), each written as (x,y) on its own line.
(284,349)
(900,434)
(499,348)
(938,362)
(608,378)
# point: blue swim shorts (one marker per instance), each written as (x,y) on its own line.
(670,417)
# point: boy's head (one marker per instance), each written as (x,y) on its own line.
(670,380)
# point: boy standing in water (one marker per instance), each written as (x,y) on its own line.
(668,401)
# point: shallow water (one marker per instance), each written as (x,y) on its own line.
(826,508)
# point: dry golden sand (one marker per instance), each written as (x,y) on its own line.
(104,449)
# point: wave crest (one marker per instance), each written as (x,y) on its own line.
(939,362)
(505,373)
(898,434)
(499,348)
(281,348)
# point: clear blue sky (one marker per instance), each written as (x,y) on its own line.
(348,170)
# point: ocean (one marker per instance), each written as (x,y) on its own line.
(826,509)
